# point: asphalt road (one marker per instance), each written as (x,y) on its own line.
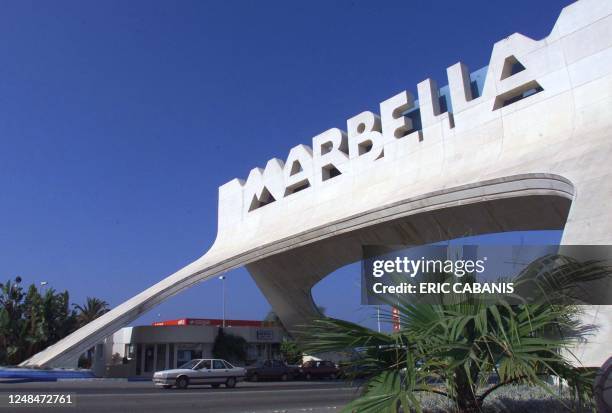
(111,396)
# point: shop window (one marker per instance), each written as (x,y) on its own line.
(160,363)
(149,356)
(171,364)
(138,359)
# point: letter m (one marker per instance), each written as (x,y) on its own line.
(265,186)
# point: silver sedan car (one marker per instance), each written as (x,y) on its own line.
(200,371)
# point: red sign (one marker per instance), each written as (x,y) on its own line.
(396,319)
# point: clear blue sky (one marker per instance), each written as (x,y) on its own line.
(119,120)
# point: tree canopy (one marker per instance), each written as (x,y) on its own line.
(31,320)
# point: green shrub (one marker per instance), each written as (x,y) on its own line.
(230,347)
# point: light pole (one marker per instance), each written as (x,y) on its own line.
(43,286)
(222,278)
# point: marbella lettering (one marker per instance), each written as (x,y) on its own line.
(333,150)
(376,138)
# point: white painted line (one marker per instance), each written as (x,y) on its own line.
(182,393)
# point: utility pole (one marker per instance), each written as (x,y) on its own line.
(222,278)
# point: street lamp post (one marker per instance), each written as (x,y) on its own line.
(43,286)
(222,278)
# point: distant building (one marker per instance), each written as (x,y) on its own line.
(142,350)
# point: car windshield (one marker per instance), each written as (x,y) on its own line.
(190,364)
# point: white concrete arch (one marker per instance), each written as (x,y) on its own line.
(294,256)
(517,203)
(532,140)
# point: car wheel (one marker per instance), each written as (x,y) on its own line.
(254,377)
(167,386)
(333,376)
(308,376)
(182,382)
(284,377)
(215,386)
(230,383)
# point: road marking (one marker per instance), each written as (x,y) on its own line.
(182,393)
(295,409)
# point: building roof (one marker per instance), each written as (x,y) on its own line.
(214,322)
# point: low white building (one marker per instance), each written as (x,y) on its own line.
(140,351)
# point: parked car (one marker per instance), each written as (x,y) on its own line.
(271,369)
(200,371)
(353,372)
(315,369)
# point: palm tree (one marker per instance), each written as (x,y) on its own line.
(456,349)
(92,309)
(11,321)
